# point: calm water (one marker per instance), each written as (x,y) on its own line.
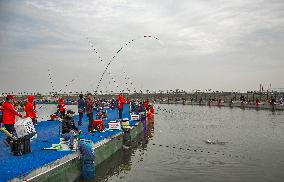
(247,145)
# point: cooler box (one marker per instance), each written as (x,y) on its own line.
(24,127)
(125,123)
(114,125)
(86,149)
(98,123)
(135,117)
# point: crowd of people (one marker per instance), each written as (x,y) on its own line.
(86,105)
(213,100)
(244,101)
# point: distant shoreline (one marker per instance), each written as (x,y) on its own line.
(261,106)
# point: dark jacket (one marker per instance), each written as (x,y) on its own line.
(68,125)
(81,105)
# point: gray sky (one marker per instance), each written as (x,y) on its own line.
(220,44)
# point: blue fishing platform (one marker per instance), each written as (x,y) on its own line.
(48,134)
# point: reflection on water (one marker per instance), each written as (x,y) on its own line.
(199,143)
(126,160)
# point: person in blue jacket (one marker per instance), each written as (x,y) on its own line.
(81,109)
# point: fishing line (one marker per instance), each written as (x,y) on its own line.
(192,149)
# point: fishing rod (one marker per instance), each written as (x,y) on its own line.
(113,58)
(106,67)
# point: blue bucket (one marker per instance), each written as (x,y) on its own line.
(88,169)
(86,149)
(88,156)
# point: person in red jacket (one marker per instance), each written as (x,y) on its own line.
(257,102)
(146,104)
(152,109)
(30,109)
(62,107)
(9,113)
(120,101)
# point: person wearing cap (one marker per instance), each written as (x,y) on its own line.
(8,116)
(121,101)
(69,130)
(30,109)
(146,104)
(152,109)
(62,107)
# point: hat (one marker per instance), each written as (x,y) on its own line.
(31,98)
(70,112)
(10,97)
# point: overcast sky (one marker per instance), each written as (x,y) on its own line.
(217,44)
